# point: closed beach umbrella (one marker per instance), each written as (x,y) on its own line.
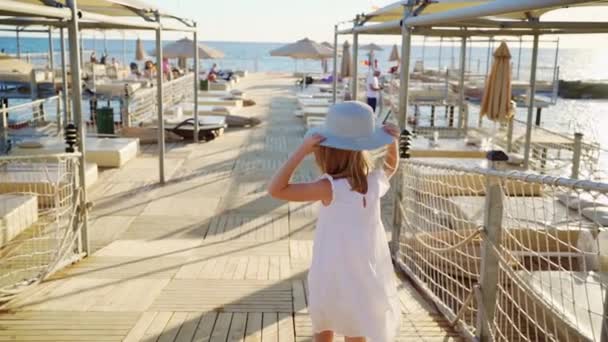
(9,64)
(303,49)
(496,101)
(345,68)
(394,57)
(140,52)
(184,48)
(371,47)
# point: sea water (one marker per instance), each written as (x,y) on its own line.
(589,117)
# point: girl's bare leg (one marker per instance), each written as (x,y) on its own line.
(354,339)
(324,336)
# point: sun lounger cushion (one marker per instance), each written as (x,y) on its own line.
(598,215)
(17,212)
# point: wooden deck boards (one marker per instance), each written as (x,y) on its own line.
(206,257)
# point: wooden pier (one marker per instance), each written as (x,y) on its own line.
(206,257)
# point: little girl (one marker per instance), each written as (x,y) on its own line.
(351,282)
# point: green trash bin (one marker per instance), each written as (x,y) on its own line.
(204,85)
(105,120)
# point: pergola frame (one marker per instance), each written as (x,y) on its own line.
(464,23)
(48,14)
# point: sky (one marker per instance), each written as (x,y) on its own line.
(289,20)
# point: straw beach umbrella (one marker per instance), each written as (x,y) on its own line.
(371,47)
(303,49)
(394,57)
(140,52)
(184,48)
(345,67)
(496,101)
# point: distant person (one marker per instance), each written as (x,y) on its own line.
(214,70)
(135,73)
(93,58)
(166,68)
(115,63)
(104,58)
(149,69)
(373,88)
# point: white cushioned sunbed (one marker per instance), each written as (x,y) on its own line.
(17,212)
(188,109)
(220,101)
(105,152)
(42,179)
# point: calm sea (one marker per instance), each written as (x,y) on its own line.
(568,116)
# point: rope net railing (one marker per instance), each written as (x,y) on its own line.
(40,223)
(513,256)
(32,119)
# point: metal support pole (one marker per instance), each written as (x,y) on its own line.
(423,49)
(355,76)
(124,48)
(488,54)
(576,155)
(64,79)
(440,53)
(159,102)
(18,42)
(3,125)
(196,62)
(51,56)
(77,110)
(81,61)
(334,83)
(105,43)
(406,47)
(463,56)
(556,68)
(470,56)
(510,136)
(531,102)
(519,56)
(490,266)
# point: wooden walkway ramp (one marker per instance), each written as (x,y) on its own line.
(207,257)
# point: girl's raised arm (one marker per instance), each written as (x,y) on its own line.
(280,187)
(391,159)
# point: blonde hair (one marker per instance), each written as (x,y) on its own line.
(352,165)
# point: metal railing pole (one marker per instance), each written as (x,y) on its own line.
(489,258)
(531,102)
(51,56)
(334,83)
(160,103)
(18,42)
(59,112)
(196,61)
(77,113)
(576,155)
(3,124)
(463,57)
(406,41)
(355,76)
(64,78)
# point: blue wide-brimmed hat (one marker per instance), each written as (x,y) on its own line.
(351,126)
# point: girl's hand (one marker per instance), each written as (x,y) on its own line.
(311,143)
(392,130)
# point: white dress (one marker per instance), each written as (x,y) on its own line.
(352,289)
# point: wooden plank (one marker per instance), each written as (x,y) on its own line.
(205,327)
(237,327)
(222,326)
(172,328)
(270,327)
(157,326)
(186,333)
(274,268)
(241,269)
(254,327)
(299,298)
(252,268)
(263,268)
(286,327)
(284,267)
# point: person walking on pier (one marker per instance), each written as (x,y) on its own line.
(352,289)
(373,88)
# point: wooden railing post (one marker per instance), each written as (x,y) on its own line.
(576,155)
(490,265)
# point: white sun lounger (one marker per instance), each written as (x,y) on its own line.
(17,212)
(188,109)
(220,101)
(105,152)
(313,102)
